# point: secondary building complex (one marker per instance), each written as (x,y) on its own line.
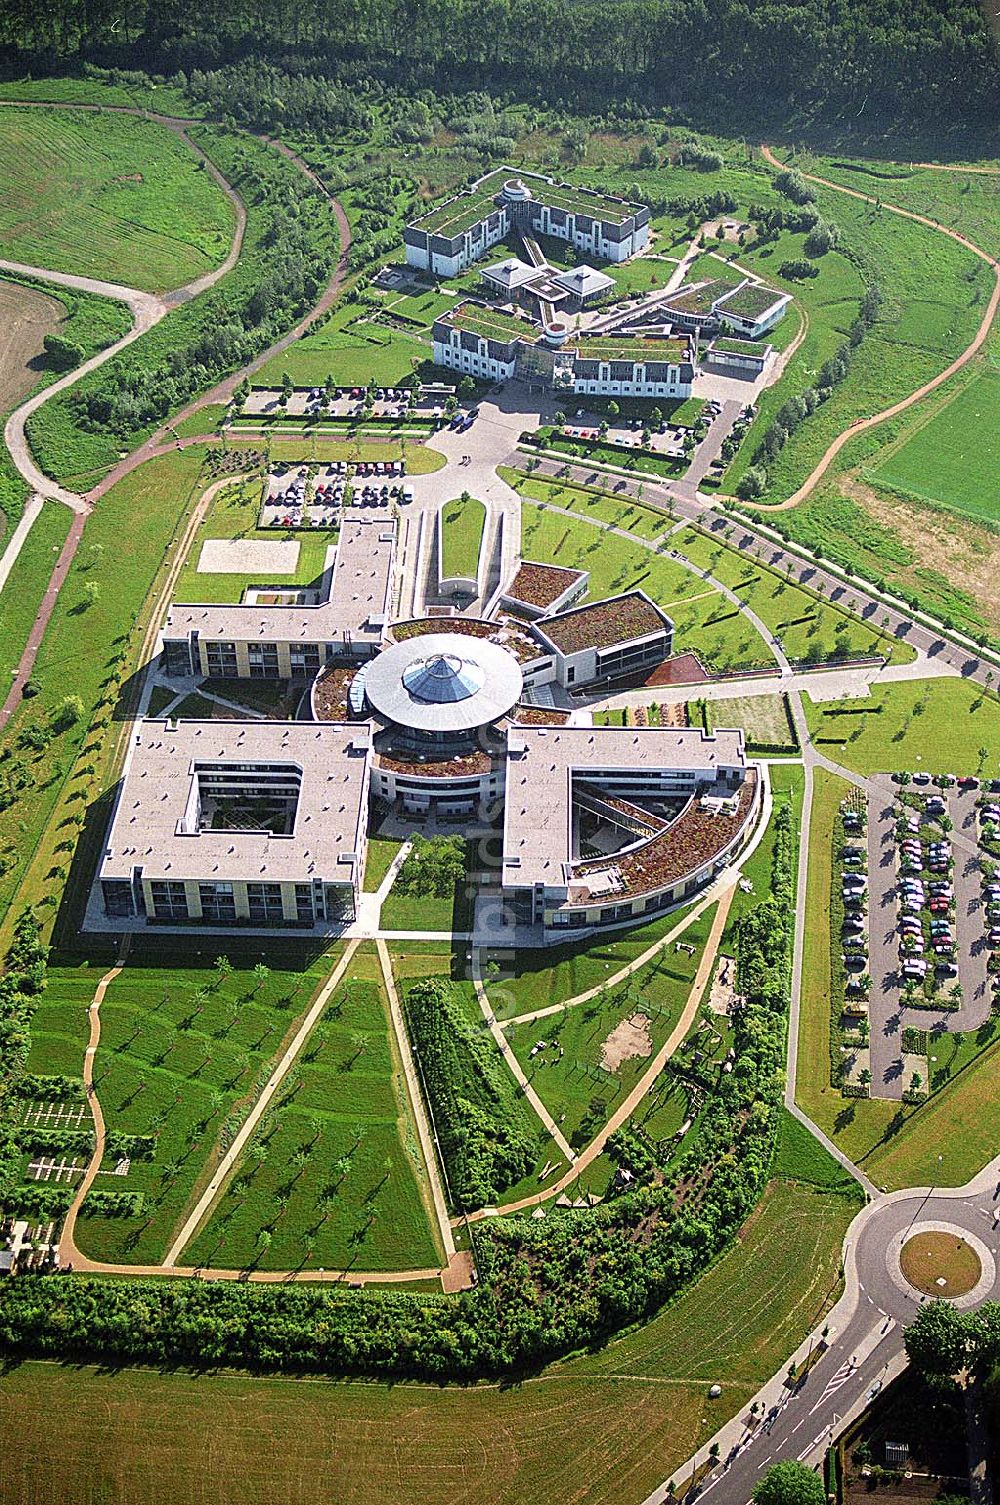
(493,345)
(449,238)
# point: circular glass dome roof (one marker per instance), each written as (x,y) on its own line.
(443,682)
(443,679)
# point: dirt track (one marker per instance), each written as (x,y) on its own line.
(861,425)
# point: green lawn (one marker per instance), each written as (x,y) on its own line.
(334,1173)
(621,1418)
(180,1050)
(109,196)
(952,458)
(590,501)
(940,725)
(79,656)
(567,1072)
(205,421)
(463,523)
(351,348)
(233,514)
(801,1157)
(704,622)
(22,595)
(403,911)
(535,979)
(381,851)
(809,628)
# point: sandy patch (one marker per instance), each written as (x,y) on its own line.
(946,543)
(723,994)
(628,1040)
(239,556)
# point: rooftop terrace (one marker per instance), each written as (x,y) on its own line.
(751,301)
(603,624)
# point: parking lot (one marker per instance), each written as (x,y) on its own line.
(344,402)
(929,929)
(295,499)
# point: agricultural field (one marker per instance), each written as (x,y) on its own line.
(954,458)
(463,523)
(940,725)
(332,1178)
(27,315)
(74,1429)
(76,201)
(704,621)
(594,1053)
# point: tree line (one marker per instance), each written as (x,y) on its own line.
(891,60)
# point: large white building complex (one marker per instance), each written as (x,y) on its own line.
(253,824)
(449,238)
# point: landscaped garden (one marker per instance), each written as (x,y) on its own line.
(332,1176)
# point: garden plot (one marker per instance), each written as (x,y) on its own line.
(245,556)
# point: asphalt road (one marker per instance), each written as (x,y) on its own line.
(865,1343)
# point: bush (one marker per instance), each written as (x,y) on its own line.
(794,186)
(63,354)
(798,270)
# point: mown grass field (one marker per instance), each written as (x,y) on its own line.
(381,851)
(955,457)
(463,523)
(589,501)
(704,621)
(78,657)
(600,1429)
(940,725)
(108,196)
(567,1073)
(808,628)
(26,584)
(351,349)
(529,980)
(333,1176)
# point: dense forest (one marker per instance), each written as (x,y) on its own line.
(929,62)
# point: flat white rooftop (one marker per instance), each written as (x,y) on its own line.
(354,600)
(152,826)
(540,767)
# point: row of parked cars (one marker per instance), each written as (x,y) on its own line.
(854,892)
(926,899)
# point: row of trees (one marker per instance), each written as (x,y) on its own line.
(748,59)
(484,1134)
(20,987)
